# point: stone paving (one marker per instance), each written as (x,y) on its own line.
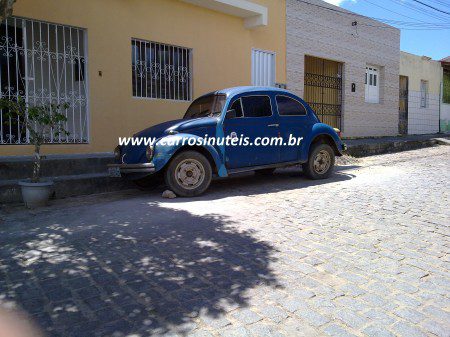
(365,253)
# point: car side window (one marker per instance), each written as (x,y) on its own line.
(256,106)
(237,106)
(288,106)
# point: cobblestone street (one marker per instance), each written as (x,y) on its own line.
(365,253)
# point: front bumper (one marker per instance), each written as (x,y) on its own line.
(133,168)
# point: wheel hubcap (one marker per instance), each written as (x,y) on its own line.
(322,162)
(190,173)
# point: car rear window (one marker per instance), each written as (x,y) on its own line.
(288,106)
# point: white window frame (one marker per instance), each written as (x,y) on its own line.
(263,67)
(166,74)
(372,84)
(424,93)
(45,62)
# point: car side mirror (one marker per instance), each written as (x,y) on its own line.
(230,114)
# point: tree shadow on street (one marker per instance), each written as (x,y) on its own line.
(249,183)
(125,267)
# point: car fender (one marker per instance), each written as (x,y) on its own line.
(319,129)
(167,146)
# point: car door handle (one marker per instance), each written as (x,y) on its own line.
(273,125)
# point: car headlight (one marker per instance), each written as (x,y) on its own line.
(149,151)
(117,152)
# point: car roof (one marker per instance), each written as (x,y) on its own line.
(244,89)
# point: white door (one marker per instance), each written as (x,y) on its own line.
(263,68)
(372,84)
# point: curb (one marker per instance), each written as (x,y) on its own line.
(67,186)
(364,150)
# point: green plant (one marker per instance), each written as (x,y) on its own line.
(446,87)
(6,8)
(39,122)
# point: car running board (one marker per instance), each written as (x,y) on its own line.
(262,167)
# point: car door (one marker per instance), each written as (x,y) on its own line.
(293,125)
(254,120)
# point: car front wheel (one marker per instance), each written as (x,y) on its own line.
(320,162)
(189,174)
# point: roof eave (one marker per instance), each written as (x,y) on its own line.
(254,15)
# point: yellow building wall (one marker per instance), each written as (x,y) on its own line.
(221,57)
(417,69)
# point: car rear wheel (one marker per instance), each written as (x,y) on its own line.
(189,174)
(320,162)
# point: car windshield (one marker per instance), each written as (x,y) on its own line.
(206,106)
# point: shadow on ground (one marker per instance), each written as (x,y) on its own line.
(280,180)
(246,184)
(126,267)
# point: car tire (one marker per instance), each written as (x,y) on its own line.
(265,172)
(188,174)
(320,162)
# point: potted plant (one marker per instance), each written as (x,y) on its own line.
(40,122)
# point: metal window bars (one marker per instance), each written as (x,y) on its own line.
(161,71)
(423,94)
(44,63)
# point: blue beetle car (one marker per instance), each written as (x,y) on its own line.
(243,118)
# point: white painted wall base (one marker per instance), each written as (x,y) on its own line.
(445,117)
(423,120)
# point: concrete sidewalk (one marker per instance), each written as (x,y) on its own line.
(362,147)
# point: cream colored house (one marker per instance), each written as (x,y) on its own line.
(420,88)
(123,65)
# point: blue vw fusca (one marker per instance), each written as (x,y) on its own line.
(241,112)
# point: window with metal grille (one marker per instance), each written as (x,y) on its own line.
(161,71)
(44,63)
(423,94)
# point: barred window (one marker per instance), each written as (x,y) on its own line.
(161,71)
(44,63)
(423,94)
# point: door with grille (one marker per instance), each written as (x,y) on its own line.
(323,89)
(403,106)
